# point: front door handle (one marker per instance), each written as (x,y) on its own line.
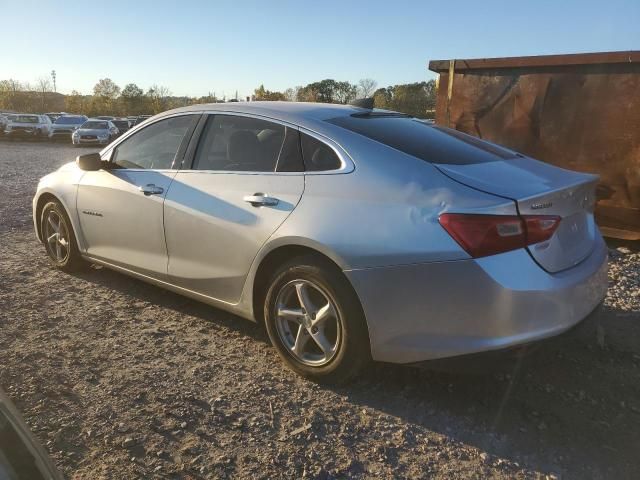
(261,200)
(151,189)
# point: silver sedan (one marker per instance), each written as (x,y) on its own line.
(353,234)
(94,132)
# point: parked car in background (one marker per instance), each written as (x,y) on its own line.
(23,125)
(352,233)
(53,116)
(122,124)
(3,124)
(140,119)
(21,456)
(105,117)
(65,125)
(94,132)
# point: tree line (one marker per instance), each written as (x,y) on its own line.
(416,99)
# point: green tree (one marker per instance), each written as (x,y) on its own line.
(327,91)
(260,94)
(10,93)
(344,92)
(416,99)
(75,103)
(132,100)
(157,96)
(105,93)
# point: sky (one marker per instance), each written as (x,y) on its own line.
(196,47)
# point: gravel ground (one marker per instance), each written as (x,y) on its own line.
(120,379)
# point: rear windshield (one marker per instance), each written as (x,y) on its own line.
(427,142)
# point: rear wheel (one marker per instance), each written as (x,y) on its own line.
(59,239)
(315,321)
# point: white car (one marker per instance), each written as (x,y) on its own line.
(23,125)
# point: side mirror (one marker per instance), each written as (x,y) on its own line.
(89,162)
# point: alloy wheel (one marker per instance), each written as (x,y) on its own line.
(56,234)
(308,322)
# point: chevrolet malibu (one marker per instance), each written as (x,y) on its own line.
(352,234)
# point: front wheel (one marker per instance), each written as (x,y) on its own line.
(315,321)
(59,239)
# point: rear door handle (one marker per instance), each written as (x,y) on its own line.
(151,189)
(261,200)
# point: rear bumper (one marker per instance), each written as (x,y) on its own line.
(445,309)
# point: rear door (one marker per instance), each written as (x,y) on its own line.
(121,208)
(246,178)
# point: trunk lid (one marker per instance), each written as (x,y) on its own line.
(541,189)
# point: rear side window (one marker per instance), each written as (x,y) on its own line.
(240,144)
(318,156)
(430,143)
(290,159)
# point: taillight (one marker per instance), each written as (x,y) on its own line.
(483,235)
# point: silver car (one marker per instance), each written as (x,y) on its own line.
(64,126)
(352,234)
(94,132)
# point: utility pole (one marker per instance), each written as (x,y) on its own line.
(53,76)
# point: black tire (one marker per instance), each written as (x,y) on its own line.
(71,260)
(352,352)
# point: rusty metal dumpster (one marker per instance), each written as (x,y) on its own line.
(579,111)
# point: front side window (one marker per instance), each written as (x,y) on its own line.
(155,146)
(245,144)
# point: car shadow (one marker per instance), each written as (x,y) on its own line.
(146,292)
(571,407)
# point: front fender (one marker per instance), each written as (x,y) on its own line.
(63,186)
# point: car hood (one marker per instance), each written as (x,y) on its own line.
(92,131)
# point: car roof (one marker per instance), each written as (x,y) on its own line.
(299,113)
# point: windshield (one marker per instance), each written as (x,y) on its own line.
(24,119)
(69,121)
(96,125)
(422,140)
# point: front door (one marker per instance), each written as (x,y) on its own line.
(246,179)
(121,208)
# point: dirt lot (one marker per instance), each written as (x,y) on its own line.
(120,379)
